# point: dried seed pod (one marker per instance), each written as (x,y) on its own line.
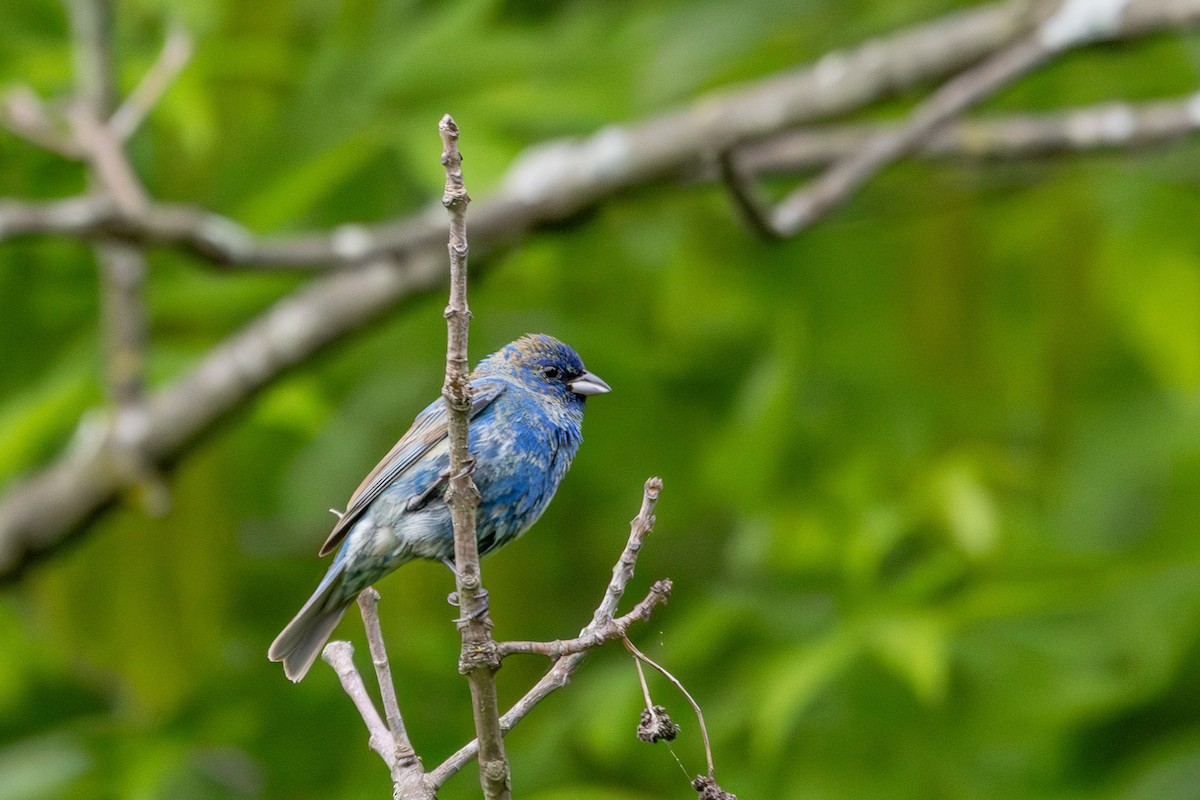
(656,726)
(709,790)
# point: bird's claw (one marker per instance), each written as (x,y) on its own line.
(452,599)
(467,469)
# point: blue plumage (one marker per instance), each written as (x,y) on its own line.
(526,416)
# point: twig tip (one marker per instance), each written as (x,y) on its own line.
(336,650)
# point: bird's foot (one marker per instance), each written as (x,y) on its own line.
(468,468)
(479,612)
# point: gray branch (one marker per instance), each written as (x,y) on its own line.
(1009,137)
(1072,24)
(121,265)
(805,206)
(176,52)
(595,634)
(222,242)
(340,656)
(479,659)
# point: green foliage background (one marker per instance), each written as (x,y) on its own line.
(932,469)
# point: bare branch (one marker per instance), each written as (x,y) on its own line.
(217,239)
(1072,25)
(122,266)
(368,604)
(92,31)
(25,115)
(479,660)
(639,528)
(1105,126)
(748,198)
(596,634)
(805,206)
(340,656)
(560,674)
(556,179)
(102,150)
(176,52)
(390,741)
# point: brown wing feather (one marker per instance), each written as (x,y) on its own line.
(427,430)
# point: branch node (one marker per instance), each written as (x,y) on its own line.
(748,199)
(484,655)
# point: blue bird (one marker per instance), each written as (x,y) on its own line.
(526,414)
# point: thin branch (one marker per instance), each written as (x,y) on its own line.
(1084,129)
(554,180)
(596,634)
(649,701)
(92,33)
(122,267)
(340,656)
(368,604)
(748,198)
(805,206)
(479,660)
(639,528)
(26,116)
(217,239)
(175,54)
(560,674)
(1073,24)
(103,152)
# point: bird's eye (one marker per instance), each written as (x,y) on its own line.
(553,373)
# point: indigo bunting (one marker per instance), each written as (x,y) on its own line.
(526,413)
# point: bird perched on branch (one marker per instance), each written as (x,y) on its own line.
(526,413)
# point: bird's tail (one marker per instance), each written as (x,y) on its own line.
(298,645)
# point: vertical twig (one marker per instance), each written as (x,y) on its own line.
(479,660)
(368,604)
(389,740)
(92,28)
(122,266)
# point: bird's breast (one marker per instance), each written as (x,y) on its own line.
(520,462)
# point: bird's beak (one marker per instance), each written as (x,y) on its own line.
(587,384)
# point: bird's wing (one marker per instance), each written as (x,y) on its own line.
(426,432)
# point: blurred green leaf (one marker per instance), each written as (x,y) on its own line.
(41,768)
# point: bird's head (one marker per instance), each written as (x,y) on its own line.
(547,366)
